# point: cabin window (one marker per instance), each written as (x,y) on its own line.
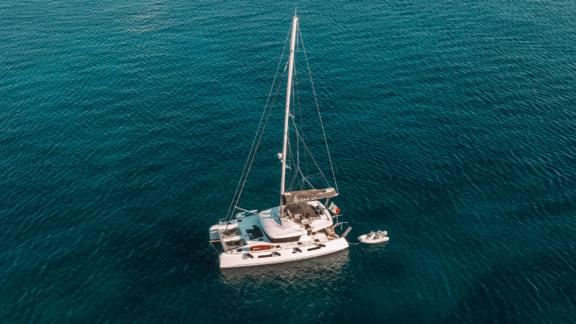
(285,239)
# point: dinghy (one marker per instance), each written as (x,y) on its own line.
(374,237)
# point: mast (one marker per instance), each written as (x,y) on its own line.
(287,112)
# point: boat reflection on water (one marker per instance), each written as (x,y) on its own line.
(326,268)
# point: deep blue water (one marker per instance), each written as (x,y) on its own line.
(124,126)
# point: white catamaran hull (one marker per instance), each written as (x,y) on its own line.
(286,253)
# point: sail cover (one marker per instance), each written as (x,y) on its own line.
(293,197)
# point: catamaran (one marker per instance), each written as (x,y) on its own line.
(305,224)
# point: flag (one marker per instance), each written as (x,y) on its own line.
(333,208)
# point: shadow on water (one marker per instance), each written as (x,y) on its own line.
(318,284)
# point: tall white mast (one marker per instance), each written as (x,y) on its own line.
(287,112)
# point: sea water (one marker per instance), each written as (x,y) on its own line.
(124,126)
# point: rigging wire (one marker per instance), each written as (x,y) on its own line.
(298,116)
(299,138)
(318,109)
(310,152)
(258,136)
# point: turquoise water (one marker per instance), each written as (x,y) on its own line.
(124,126)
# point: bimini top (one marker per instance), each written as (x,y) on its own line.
(293,197)
(277,229)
